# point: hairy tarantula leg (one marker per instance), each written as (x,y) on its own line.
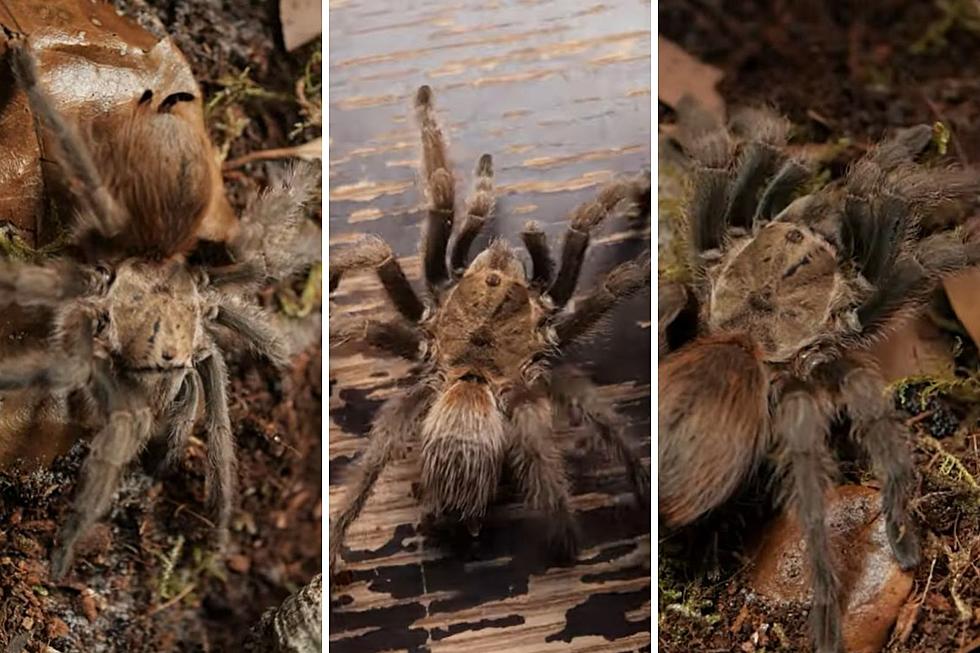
(540,470)
(779,192)
(766,133)
(621,282)
(910,281)
(677,316)
(396,424)
(122,438)
(536,244)
(392,337)
(803,426)
(584,219)
(372,252)
(479,206)
(73,157)
(884,436)
(182,416)
(45,285)
(578,393)
(252,324)
(271,235)
(222,478)
(706,141)
(440,189)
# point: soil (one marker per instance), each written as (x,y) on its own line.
(146,579)
(850,70)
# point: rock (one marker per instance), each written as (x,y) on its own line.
(875,587)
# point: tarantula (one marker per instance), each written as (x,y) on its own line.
(784,302)
(485,339)
(138,340)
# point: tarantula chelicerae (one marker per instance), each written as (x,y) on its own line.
(485,340)
(784,302)
(137,340)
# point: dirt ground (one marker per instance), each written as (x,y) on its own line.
(145,581)
(844,70)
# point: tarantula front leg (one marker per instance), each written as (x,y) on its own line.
(539,468)
(390,337)
(372,252)
(221,475)
(878,428)
(126,431)
(181,418)
(439,187)
(536,244)
(478,209)
(584,219)
(72,155)
(252,324)
(802,425)
(621,282)
(580,397)
(396,423)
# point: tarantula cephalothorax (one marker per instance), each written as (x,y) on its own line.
(486,392)
(785,302)
(138,340)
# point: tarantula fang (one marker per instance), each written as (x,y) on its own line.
(486,337)
(784,301)
(141,340)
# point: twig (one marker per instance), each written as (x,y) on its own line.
(176,599)
(307,151)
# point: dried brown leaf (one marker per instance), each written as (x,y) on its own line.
(683,75)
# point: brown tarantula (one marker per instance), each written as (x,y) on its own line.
(485,339)
(137,340)
(784,303)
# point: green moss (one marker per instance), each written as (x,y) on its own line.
(309,89)
(224,111)
(954,14)
(309,298)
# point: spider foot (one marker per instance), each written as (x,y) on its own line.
(563,540)
(905,545)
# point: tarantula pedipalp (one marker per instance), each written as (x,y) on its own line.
(785,301)
(485,339)
(140,339)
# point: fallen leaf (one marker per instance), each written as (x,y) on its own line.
(917,348)
(302,21)
(683,75)
(963,291)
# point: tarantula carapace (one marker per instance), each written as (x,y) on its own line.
(139,339)
(485,339)
(783,303)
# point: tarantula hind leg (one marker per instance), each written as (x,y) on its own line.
(221,478)
(124,435)
(884,435)
(802,424)
(539,469)
(395,424)
(580,395)
(389,337)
